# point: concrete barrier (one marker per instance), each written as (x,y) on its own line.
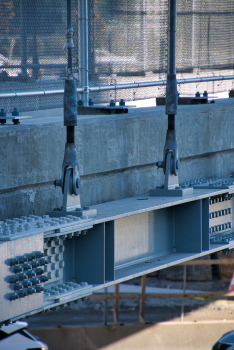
(116,153)
(160,336)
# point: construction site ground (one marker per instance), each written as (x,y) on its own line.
(81,326)
(91,312)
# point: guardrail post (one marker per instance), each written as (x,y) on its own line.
(184,288)
(142,300)
(105,311)
(116,305)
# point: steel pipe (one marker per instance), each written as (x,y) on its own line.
(118,86)
(172,38)
(84,68)
(171,89)
(69,28)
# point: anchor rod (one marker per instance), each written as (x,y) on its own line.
(171,94)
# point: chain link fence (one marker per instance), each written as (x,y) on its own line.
(32,35)
(127,43)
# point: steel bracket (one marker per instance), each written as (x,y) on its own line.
(171,185)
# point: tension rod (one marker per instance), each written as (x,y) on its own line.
(170,163)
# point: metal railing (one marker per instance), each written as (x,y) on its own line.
(117,86)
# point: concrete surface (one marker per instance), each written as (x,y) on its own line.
(116,153)
(160,336)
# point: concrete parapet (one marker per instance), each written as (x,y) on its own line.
(116,154)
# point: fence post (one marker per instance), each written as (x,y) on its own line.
(184,287)
(84,66)
(105,311)
(142,301)
(116,305)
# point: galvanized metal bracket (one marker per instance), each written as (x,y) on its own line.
(172,149)
(71,197)
(100,109)
(171,185)
(70,184)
